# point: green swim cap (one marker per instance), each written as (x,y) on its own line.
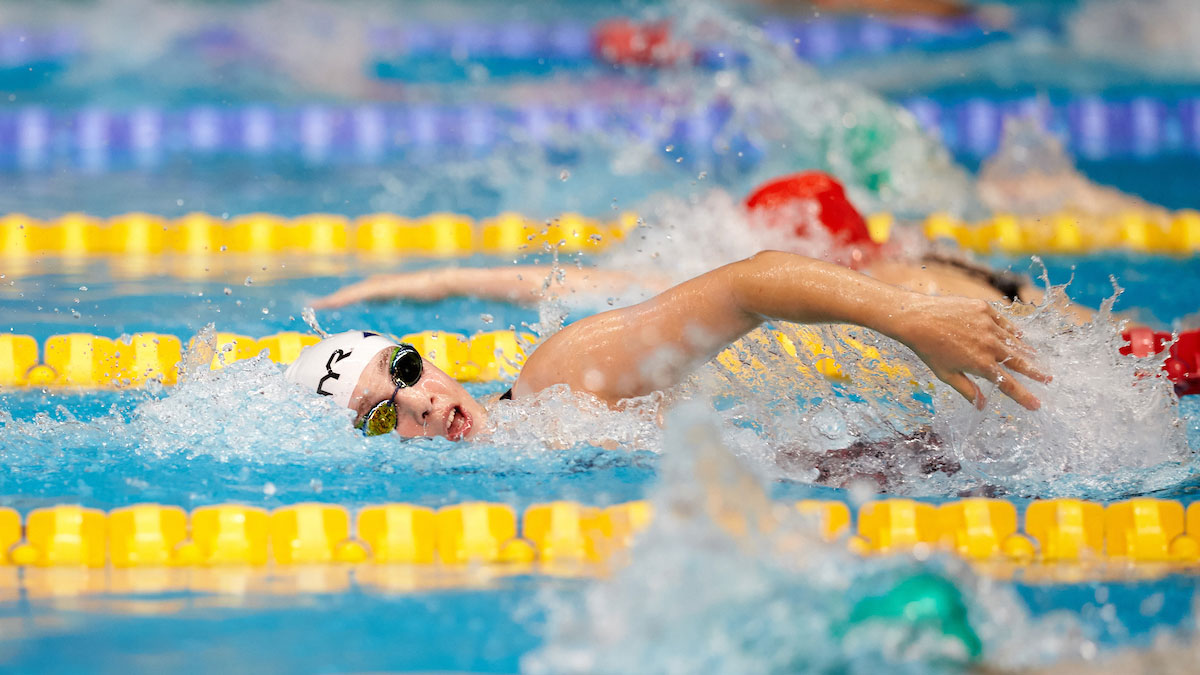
(922,602)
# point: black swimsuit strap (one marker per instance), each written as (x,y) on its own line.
(506,396)
(1006,283)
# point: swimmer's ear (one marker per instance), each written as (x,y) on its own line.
(965,386)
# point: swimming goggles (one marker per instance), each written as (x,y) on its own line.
(406,368)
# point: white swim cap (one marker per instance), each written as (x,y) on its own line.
(332,366)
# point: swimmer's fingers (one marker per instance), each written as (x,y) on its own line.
(1014,353)
(1023,364)
(963,385)
(1004,324)
(1013,389)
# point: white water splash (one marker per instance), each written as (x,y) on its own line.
(558,418)
(726,580)
(245,411)
(1109,424)
(799,119)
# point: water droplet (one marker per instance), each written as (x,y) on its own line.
(223,249)
(269,489)
(265,310)
(82,288)
(702,176)
(564,175)
(228,291)
(249,281)
(178,202)
(670,148)
(486,318)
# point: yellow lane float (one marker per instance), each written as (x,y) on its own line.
(1082,539)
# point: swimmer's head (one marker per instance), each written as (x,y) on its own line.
(355,369)
(777,204)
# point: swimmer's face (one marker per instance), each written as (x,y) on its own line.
(436,406)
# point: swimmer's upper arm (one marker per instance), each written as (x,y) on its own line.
(643,348)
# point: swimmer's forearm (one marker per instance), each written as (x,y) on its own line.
(775,285)
(523,284)
(529,284)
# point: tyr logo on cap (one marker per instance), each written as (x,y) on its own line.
(335,357)
(332,367)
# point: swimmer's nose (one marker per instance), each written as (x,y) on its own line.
(417,403)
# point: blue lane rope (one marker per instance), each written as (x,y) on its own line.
(35,138)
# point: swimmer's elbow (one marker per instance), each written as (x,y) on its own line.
(771,258)
(747,281)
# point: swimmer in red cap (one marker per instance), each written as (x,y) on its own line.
(809,206)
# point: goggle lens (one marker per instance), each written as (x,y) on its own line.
(407,366)
(381,419)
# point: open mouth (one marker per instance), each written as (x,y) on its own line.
(458,424)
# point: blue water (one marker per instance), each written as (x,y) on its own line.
(469,631)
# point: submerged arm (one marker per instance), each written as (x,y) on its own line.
(520,284)
(640,349)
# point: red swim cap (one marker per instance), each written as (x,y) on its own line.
(837,214)
(623,42)
(1183,362)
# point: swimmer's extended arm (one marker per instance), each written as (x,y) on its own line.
(521,284)
(640,349)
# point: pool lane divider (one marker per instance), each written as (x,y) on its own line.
(1062,539)
(435,235)
(36,139)
(448,235)
(86,361)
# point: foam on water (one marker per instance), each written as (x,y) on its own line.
(1103,429)
(800,119)
(725,580)
(1109,425)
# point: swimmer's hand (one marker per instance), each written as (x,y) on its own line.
(428,285)
(957,337)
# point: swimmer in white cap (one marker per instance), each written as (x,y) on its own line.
(389,385)
(634,351)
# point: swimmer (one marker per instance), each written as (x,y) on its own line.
(634,351)
(776,204)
